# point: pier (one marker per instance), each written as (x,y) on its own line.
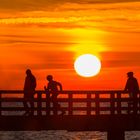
(107,111)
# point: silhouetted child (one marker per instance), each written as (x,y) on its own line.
(133,88)
(53,87)
(29,91)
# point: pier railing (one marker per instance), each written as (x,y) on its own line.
(72,102)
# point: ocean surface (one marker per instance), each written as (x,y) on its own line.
(61,135)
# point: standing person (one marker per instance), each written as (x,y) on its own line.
(53,87)
(29,91)
(133,88)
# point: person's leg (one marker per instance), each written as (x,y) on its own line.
(58,106)
(31,107)
(130,103)
(47,103)
(55,104)
(26,107)
(31,102)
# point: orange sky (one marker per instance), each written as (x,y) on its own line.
(47,36)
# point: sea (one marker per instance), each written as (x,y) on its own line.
(61,135)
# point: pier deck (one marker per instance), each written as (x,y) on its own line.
(84,111)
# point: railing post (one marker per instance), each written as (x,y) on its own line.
(119,103)
(135,104)
(112,103)
(70,112)
(115,135)
(39,104)
(138,105)
(0,104)
(97,104)
(47,103)
(88,103)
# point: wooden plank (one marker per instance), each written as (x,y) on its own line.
(70,111)
(39,104)
(119,103)
(0,105)
(73,123)
(68,91)
(88,104)
(8,99)
(112,103)
(97,104)
(48,108)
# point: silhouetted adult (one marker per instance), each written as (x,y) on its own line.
(29,91)
(133,88)
(53,87)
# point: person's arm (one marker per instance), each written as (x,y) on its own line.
(126,86)
(45,88)
(25,84)
(137,85)
(34,82)
(48,87)
(60,86)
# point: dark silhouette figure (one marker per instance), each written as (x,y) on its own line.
(53,87)
(133,88)
(29,91)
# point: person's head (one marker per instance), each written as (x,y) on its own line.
(49,77)
(28,72)
(130,74)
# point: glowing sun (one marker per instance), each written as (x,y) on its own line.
(87,65)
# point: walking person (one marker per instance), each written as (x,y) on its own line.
(29,91)
(133,88)
(53,87)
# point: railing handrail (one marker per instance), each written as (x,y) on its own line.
(92,99)
(70,91)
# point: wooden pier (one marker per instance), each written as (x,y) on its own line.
(84,111)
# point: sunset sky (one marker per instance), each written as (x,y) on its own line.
(48,35)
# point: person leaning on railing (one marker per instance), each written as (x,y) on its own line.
(132,87)
(53,87)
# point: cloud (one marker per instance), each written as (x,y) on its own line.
(35,42)
(121,55)
(29,5)
(110,17)
(108,1)
(120,59)
(120,63)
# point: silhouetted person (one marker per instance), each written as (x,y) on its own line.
(29,91)
(133,88)
(53,87)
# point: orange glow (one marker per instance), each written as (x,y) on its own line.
(47,37)
(88,42)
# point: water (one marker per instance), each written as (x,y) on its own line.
(61,135)
(51,135)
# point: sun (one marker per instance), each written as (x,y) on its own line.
(87,65)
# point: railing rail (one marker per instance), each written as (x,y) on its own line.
(105,102)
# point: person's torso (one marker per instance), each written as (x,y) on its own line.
(53,86)
(132,85)
(30,83)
